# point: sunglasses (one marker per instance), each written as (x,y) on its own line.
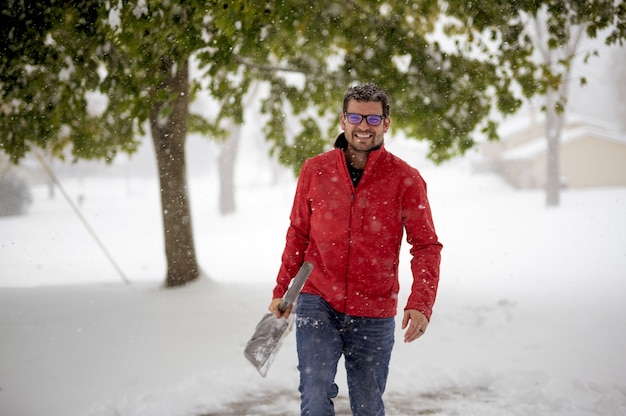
(372,119)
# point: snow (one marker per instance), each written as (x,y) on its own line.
(529,319)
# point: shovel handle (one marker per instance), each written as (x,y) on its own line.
(296,286)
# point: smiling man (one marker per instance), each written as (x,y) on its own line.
(351,209)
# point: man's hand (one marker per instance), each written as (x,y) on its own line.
(274,308)
(416,323)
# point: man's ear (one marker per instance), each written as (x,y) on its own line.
(386,122)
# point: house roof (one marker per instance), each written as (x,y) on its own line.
(539,144)
(524,119)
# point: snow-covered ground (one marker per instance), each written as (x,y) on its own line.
(529,320)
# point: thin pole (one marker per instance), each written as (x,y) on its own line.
(46,167)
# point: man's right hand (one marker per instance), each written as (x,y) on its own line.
(274,308)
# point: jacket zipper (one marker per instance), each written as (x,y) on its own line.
(348,254)
(350,220)
(345,295)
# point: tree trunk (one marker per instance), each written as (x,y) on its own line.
(554,121)
(620,87)
(169,134)
(227,170)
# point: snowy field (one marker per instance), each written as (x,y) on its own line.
(529,320)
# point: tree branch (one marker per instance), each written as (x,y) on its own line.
(265,68)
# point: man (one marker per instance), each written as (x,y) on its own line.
(350,209)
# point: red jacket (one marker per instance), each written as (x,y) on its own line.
(352,236)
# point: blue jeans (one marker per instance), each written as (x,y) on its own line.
(322,336)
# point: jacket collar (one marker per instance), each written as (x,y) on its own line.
(341,142)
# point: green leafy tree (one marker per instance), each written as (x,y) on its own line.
(133,56)
(55,55)
(535,44)
(439,95)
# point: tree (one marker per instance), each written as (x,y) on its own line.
(227,158)
(439,96)
(553,29)
(226,169)
(121,56)
(135,58)
(557,60)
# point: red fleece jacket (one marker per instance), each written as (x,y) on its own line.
(352,236)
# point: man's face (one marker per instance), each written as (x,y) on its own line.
(363,137)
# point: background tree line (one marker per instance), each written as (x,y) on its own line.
(451,68)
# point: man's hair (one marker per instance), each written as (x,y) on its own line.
(367,92)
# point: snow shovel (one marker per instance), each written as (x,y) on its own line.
(270,331)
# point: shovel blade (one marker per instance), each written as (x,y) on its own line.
(264,344)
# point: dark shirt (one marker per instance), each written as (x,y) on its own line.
(355,174)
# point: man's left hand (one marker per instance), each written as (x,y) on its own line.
(415,324)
